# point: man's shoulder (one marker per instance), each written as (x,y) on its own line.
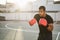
(48,15)
(36,14)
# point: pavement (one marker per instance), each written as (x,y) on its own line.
(21,30)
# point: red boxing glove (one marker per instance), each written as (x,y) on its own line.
(43,22)
(32,22)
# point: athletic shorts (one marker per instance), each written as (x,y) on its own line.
(45,37)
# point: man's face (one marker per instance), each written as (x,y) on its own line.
(41,12)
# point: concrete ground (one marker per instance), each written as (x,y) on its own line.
(21,30)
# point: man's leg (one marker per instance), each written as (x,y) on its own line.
(49,37)
(40,37)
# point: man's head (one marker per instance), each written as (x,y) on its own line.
(42,11)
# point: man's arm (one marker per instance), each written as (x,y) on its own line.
(34,20)
(50,27)
(50,23)
(30,24)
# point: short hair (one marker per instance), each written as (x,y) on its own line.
(42,7)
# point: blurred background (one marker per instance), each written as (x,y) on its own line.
(14,9)
(15,14)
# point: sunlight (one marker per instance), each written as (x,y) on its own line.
(3,2)
(20,3)
(56,0)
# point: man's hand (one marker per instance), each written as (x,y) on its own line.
(32,22)
(50,27)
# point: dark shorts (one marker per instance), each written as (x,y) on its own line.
(45,37)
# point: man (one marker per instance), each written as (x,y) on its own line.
(45,32)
